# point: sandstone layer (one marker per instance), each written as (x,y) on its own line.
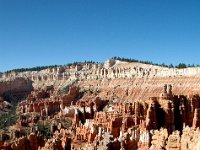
(115,105)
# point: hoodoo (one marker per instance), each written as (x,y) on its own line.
(111,105)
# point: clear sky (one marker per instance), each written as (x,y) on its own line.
(48,32)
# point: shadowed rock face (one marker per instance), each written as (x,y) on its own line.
(31,142)
(13,90)
(16,86)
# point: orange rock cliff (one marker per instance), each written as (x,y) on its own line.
(111,105)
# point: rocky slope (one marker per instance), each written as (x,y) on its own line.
(111,105)
(136,78)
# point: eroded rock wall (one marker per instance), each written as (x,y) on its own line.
(16,86)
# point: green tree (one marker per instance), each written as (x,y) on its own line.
(182,65)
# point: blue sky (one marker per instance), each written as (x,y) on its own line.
(48,32)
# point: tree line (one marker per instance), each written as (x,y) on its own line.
(180,65)
(39,68)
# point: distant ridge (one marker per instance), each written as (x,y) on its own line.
(39,68)
(180,65)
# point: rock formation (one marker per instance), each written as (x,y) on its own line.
(16,86)
(115,105)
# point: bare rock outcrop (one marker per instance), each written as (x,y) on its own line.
(31,142)
(115,105)
(53,144)
(16,86)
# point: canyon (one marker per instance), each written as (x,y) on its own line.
(111,105)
